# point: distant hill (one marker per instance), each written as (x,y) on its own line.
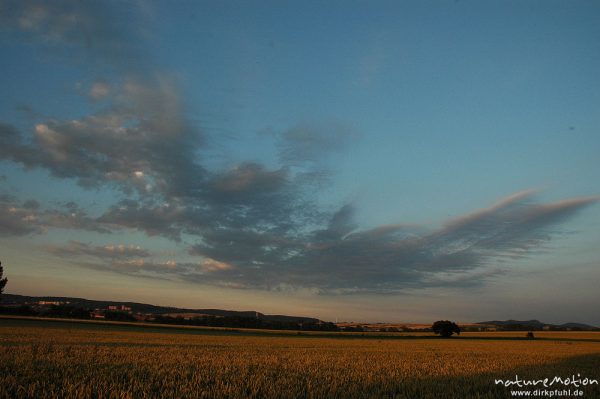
(144,308)
(535,325)
(577,325)
(530,323)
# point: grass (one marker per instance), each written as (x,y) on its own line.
(48,359)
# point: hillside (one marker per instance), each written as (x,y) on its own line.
(144,308)
(535,325)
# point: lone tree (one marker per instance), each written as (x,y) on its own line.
(445,328)
(3,281)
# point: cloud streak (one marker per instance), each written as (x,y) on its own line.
(135,261)
(77,248)
(392,258)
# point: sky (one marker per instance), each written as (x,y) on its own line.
(348,160)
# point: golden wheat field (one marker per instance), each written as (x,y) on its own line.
(50,359)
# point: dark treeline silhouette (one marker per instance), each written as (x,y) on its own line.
(246,322)
(66,311)
(357,328)
(72,312)
(21,310)
(118,316)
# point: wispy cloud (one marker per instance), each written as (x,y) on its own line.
(307,144)
(84,25)
(392,258)
(135,261)
(99,90)
(110,251)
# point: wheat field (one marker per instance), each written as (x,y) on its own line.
(45,359)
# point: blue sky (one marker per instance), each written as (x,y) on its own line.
(376,161)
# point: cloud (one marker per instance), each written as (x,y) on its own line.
(247,247)
(12,147)
(99,90)
(139,144)
(211,265)
(86,25)
(392,258)
(137,262)
(18,218)
(340,225)
(145,148)
(308,143)
(510,227)
(259,220)
(166,219)
(140,267)
(246,182)
(120,251)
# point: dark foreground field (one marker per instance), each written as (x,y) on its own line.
(49,359)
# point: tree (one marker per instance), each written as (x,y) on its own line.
(3,281)
(445,328)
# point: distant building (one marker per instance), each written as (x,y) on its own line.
(48,303)
(122,308)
